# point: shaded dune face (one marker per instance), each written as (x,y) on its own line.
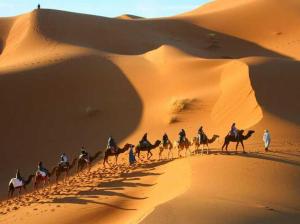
(58,108)
(237,101)
(276,84)
(133,37)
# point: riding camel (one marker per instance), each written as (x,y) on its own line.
(16,184)
(64,169)
(148,148)
(42,179)
(183,145)
(204,141)
(82,161)
(240,139)
(109,153)
(167,146)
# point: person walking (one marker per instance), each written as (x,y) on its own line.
(267,139)
(132,159)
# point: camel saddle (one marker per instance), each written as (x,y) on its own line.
(16,182)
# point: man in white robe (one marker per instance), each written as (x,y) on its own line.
(267,139)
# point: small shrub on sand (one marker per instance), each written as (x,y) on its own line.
(181,105)
(173,119)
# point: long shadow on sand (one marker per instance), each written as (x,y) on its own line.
(259,155)
(107,187)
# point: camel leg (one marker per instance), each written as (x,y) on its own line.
(243,146)
(227,147)
(116,160)
(160,152)
(139,155)
(104,161)
(223,146)
(236,147)
(11,192)
(19,193)
(207,149)
(150,153)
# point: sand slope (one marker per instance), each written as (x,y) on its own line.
(69,79)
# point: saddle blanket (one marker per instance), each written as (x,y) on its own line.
(16,182)
(41,173)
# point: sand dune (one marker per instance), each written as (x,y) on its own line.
(69,79)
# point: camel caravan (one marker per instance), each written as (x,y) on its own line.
(42,176)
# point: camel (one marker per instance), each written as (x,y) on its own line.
(204,141)
(183,145)
(22,185)
(239,139)
(109,153)
(82,161)
(168,146)
(64,169)
(138,149)
(40,179)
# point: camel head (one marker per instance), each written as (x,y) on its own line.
(250,132)
(216,136)
(157,143)
(127,146)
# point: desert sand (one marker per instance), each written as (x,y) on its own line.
(69,79)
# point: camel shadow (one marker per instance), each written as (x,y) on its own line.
(263,156)
(257,155)
(107,187)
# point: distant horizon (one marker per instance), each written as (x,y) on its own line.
(142,8)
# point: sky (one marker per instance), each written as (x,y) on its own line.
(108,8)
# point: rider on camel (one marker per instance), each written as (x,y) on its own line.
(18,175)
(83,153)
(182,136)
(42,170)
(200,134)
(233,131)
(144,142)
(112,145)
(165,139)
(63,160)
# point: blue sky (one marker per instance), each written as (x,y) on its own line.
(110,8)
